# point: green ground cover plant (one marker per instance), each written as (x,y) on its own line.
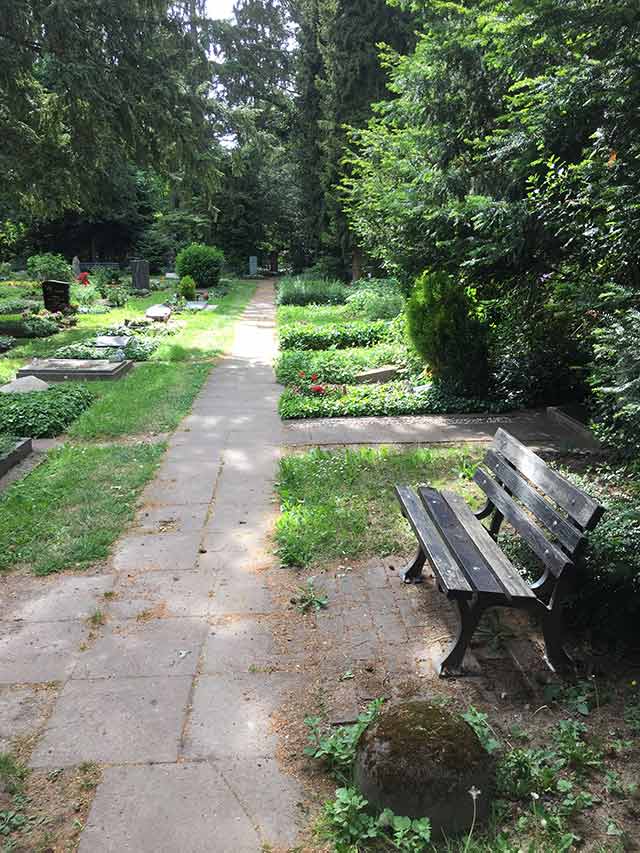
(389,398)
(40,414)
(358,333)
(298,290)
(338,505)
(318,315)
(79,523)
(341,366)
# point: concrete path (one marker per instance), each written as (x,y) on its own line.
(177,694)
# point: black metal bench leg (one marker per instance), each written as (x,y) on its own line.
(552,629)
(413,572)
(470,614)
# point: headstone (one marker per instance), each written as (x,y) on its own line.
(386,373)
(422,389)
(24,385)
(56,295)
(171,275)
(112,340)
(79,369)
(159,313)
(140,275)
(253,265)
(195,306)
(75,266)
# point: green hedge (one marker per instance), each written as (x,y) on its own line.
(390,398)
(203,263)
(339,336)
(341,366)
(42,414)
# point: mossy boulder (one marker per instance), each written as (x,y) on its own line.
(421,760)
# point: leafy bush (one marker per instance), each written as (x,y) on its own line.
(374,305)
(41,414)
(117,295)
(341,366)
(138,349)
(84,295)
(533,356)
(446,330)
(104,278)
(49,266)
(338,336)
(6,342)
(39,327)
(390,398)
(187,288)
(302,291)
(5,270)
(615,379)
(203,263)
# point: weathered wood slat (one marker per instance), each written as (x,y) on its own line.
(501,566)
(567,534)
(448,572)
(462,546)
(551,556)
(580,507)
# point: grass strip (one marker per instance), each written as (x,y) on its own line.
(68,512)
(341,505)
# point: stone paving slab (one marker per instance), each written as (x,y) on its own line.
(166,809)
(37,652)
(184,594)
(179,518)
(239,645)
(170,552)
(216,731)
(115,721)
(22,711)
(55,599)
(134,648)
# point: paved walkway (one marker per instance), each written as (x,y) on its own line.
(176,694)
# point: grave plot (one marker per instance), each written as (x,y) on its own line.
(75,369)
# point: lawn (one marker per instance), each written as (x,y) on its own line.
(339,505)
(68,512)
(82,497)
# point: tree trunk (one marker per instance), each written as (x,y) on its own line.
(274,262)
(356,264)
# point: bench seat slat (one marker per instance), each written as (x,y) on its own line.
(464,549)
(577,504)
(509,576)
(552,557)
(451,577)
(567,534)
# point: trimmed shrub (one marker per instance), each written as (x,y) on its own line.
(187,288)
(203,263)
(49,266)
(302,291)
(333,336)
(42,414)
(390,398)
(446,330)
(31,326)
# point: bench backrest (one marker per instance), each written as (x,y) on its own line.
(520,485)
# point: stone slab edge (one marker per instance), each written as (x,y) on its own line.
(57,375)
(565,420)
(22,449)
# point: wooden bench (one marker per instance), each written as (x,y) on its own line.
(547,511)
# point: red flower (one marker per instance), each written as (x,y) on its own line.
(317,389)
(83,278)
(314,377)
(302,374)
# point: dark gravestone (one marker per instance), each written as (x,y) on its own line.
(140,275)
(56,295)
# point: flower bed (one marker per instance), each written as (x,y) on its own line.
(391,398)
(338,366)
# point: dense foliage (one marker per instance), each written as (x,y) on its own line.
(337,336)
(40,414)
